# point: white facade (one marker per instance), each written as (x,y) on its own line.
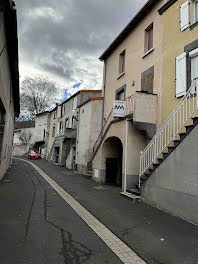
(89,127)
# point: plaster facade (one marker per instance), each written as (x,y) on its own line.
(89,126)
(144,117)
(175,42)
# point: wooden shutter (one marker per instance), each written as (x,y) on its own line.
(180,87)
(184,16)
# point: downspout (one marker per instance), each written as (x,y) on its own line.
(126,153)
(104,88)
(77,139)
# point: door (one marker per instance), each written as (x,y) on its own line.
(194,68)
(113,171)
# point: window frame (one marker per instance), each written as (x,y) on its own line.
(195,13)
(53,130)
(146,39)
(122,63)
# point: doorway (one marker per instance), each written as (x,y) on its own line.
(112,156)
(56,154)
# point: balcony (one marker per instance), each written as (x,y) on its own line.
(141,107)
(67,133)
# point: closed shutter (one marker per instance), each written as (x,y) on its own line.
(184,16)
(180,75)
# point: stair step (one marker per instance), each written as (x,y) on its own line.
(165,155)
(170,149)
(182,136)
(176,142)
(195,120)
(144,177)
(135,191)
(189,128)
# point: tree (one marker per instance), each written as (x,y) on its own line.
(38,95)
(25,138)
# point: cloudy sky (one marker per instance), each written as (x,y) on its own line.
(64,41)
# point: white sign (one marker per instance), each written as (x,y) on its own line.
(119,108)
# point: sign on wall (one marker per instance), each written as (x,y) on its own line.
(119,108)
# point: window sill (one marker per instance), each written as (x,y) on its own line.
(193,25)
(147,53)
(119,76)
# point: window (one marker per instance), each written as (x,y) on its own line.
(194,64)
(122,63)
(74,105)
(53,131)
(62,110)
(67,123)
(44,134)
(196,11)
(148,38)
(60,127)
(55,115)
(147,78)
(120,93)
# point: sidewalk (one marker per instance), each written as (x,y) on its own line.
(154,235)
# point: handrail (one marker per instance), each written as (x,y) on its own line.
(171,127)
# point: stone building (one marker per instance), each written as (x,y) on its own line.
(9,81)
(63,129)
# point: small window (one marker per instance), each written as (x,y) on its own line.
(44,134)
(54,115)
(122,63)
(53,131)
(196,11)
(148,38)
(147,79)
(60,127)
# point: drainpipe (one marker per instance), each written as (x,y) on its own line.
(126,153)
(104,88)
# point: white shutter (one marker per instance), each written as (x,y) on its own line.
(184,16)
(180,75)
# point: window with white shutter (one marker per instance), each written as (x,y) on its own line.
(184,16)
(194,64)
(180,75)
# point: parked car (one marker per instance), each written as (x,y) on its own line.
(34,155)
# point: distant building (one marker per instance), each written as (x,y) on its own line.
(88,129)
(42,133)
(63,129)
(9,81)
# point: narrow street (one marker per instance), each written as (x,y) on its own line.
(38,226)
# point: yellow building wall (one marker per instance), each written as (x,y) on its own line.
(135,64)
(174,42)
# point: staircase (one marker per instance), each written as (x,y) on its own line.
(178,125)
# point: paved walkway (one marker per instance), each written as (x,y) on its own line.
(154,235)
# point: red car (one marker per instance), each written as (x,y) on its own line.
(34,155)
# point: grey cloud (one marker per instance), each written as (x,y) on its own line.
(58,38)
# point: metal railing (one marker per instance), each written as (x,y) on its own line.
(168,131)
(130,105)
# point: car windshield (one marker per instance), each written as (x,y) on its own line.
(32,152)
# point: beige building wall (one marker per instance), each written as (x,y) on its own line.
(135,63)
(174,42)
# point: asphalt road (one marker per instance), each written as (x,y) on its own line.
(37,226)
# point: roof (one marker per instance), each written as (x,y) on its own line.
(43,113)
(127,30)
(10,16)
(24,124)
(166,6)
(91,99)
(88,91)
